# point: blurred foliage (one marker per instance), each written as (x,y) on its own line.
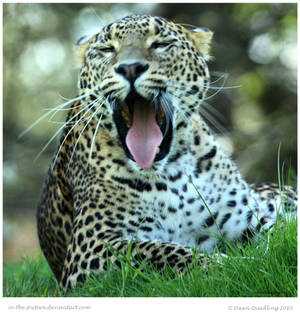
(255,44)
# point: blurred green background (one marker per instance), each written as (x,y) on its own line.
(255,44)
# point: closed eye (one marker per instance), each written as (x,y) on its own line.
(108,49)
(164,44)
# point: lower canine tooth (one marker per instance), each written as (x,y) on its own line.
(157,151)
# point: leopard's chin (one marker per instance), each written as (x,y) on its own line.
(145,132)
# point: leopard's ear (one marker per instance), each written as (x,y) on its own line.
(202,39)
(81,46)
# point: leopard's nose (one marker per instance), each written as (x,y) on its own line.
(131,71)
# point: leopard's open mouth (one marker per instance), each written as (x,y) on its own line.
(144,129)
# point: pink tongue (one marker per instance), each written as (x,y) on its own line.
(144,136)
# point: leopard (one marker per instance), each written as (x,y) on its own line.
(138,166)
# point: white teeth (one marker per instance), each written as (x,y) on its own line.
(157,151)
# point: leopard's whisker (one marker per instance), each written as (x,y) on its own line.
(172,94)
(56,133)
(221,88)
(56,111)
(71,129)
(61,128)
(195,102)
(218,89)
(113,101)
(212,120)
(96,131)
(49,112)
(83,129)
(64,109)
(94,137)
(214,111)
(209,86)
(69,122)
(83,105)
(167,108)
(221,76)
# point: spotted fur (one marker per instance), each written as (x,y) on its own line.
(96,199)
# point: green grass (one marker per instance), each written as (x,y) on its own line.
(262,269)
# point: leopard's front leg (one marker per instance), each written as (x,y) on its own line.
(97,238)
(95,259)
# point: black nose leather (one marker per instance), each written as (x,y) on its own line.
(132,71)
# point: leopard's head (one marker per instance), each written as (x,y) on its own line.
(147,75)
